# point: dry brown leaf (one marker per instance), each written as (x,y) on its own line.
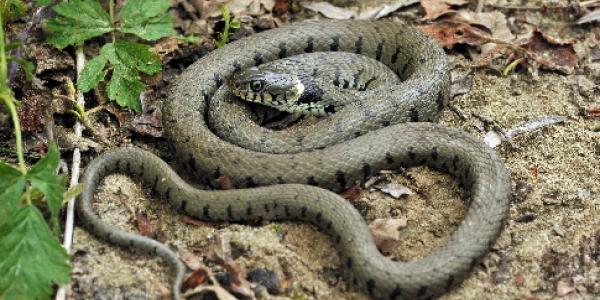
(386,232)
(592,16)
(436,8)
(148,123)
(222,255)
(195,279)
(352,194)
(144,226)
(190,259)
(395,190)
(196,222)
(282,6)
(593,112)
(565,287)
(225,182)
(551,53)
(450,33)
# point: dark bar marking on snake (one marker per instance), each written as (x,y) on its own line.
(335,45)
(282,50)
(205,211)
(434,153)
(411,153)
(414,115)
(379,51)
(370,286)
(249,210)
(229,212)
(395,55)
(303,211)
(217,79)
(310,45)
(366,169)
(258,58)
(311,181)
(183,206)
(358,44)
(340,177)
(250,182)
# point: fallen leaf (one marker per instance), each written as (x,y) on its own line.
(190,259)
(196,222)
(451,33)
(144,226)
(195,279)
(551,53)
(592,112)
(592,16)
(519,280)
(535,173)
(395,190)
(352,194)
(436,8)
(386,232)
(222,255)
(225,182)
(381,9)
(148,123)
(282,6)
(165,47)
(565,287)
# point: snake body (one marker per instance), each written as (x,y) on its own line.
(365,139)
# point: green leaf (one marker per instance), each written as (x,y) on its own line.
(189,39)
(92,73)
(27,66)
(12,184)
(43,2)
(148,19)
(31,260)
(42,177)
(125,88)
(79,21)
(137,57)
(11,9)
(235,24)
(128,60)
(13,45)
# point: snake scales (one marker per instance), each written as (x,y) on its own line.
(378,142)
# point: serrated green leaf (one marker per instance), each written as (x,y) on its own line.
(11,9)
(137,57)
(31,260)
(189,39)
(42,177)
(43,2)
(148,19)
(79,21)
(125,89)
(92,73)
(13,45)
(12,184)
(27,66)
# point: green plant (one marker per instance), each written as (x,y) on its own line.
(81,20)
(31,258)
(229,24)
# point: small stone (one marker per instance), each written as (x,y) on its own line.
(266,278)
(558,231)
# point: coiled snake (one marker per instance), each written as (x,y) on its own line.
(367,138)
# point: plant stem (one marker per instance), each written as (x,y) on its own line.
(7,98)
(111,12)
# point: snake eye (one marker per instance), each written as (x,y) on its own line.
(256,86)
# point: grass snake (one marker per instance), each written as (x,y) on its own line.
(291,186)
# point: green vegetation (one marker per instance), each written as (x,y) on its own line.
(229,24)
(31,258)
(82,20)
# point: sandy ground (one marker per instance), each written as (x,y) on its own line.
(550,246)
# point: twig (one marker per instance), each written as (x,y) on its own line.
(75,170)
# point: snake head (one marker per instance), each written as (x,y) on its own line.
(266,86)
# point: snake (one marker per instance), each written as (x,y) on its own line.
(302,186)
